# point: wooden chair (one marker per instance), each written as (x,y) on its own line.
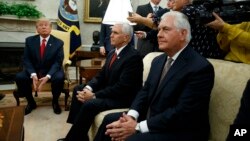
(65,37)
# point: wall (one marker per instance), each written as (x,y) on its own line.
(10,35)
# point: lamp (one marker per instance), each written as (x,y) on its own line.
(117,11)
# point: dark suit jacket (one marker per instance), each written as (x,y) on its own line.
(105,37)
(180,104)
(242,119)
(53,56)
(144,10)
(243,116)
(120,83)
(147,45)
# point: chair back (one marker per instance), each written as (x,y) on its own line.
(65,37)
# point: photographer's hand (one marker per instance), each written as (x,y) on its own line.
(217,24)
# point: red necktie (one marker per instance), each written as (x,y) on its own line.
(42,48)
(113,59)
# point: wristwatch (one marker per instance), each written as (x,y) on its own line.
(137,127)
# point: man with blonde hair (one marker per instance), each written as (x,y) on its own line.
(42,62)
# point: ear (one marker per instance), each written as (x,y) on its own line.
(126,37)
(183,34)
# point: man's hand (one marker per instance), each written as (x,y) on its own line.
(121,129)
(140,34)
(35,82)
(217,24)
(135,18)
(102,51)
(42,81)
(150,16)
(84,95)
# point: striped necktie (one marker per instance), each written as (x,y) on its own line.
(165,69)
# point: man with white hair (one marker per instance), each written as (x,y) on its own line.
(173,104)
(114,87)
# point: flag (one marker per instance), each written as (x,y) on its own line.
(68,21)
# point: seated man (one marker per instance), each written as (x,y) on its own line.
(233,39)
(173,104)
(42,62)
(243,116)
(114,87)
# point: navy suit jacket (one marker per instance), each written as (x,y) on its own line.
(120,83)
(105,37)
(147,45)
(53,56)
(180,104)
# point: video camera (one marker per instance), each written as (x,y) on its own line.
(231,11)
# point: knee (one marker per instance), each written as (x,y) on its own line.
(59,78)
(109,118)
(21,77)
(77,88)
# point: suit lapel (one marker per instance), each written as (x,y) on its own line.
(37,47)
(156,77)
(120,56)
(176,68)
(48,48)
(149,8)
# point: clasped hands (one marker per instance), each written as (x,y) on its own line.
(38,83)
(84,95)
(121,129)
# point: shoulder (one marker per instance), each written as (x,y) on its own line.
(159,58)
(55,39)
(160,12)
(142,8)
(190,10)
(130,53)
(193,58)
(32,38)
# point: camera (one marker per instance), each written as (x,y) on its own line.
(231,11)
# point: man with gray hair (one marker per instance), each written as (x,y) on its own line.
(114,87)
(175,95)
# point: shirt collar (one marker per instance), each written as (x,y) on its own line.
(119,50)
(47,38)
(153,5)
(177,54)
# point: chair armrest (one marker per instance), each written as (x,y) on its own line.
(66,71)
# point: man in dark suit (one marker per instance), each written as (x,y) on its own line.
(114,87)
(105,44)
(242,119)
(145,46)
(42,62)
(170,107)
